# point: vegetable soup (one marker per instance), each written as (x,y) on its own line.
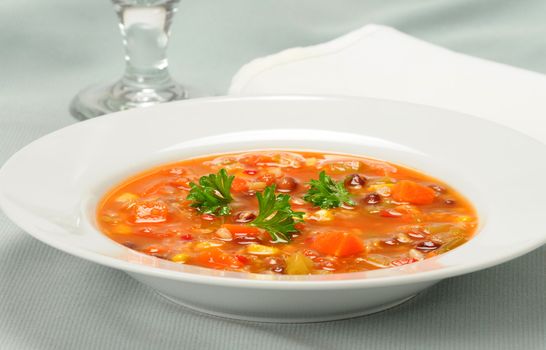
(287,212)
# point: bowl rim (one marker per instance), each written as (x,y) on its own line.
(243,279)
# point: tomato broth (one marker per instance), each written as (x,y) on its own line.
(320,213)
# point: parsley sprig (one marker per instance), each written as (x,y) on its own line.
(212,194)
(326,193)
(276,216)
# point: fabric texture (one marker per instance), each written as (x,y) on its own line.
(381,62)
(50,300)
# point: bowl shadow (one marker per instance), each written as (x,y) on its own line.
(51,300)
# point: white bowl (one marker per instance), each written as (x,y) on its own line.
(51,187)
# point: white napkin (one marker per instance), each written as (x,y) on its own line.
(379,61)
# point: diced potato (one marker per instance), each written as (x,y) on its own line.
(150,212)
(382,189)
(127,197)
(340,166)
(403,238)
(258,249)
(122,229)
(180,258)
(321,215)
(378,260)
(299,264)
(312,161)
(290,160)
(223,234)
(417,255)
(257,186)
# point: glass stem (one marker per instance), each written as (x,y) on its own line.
(145,28)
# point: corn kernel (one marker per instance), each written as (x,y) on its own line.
(126,197)
(258,249)
(208,244)
(180,258)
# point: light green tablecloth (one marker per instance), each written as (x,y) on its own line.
(51,49)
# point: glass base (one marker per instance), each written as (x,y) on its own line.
(103,99)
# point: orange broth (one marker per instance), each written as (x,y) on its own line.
(400,216)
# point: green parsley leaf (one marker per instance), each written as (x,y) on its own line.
(276,216)
(212,194)
(326,193)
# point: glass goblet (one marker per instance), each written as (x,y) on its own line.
(144,26)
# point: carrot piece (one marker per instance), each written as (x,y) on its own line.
(412,192)
(241,229)
(239,185)
(337,243)
(217,259)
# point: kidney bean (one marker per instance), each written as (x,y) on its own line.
(287,184)
(372,199)
(427,246)
(244,216)
(355,181)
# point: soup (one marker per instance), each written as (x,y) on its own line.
(287,212)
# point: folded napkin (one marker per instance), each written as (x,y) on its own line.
(379,61)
